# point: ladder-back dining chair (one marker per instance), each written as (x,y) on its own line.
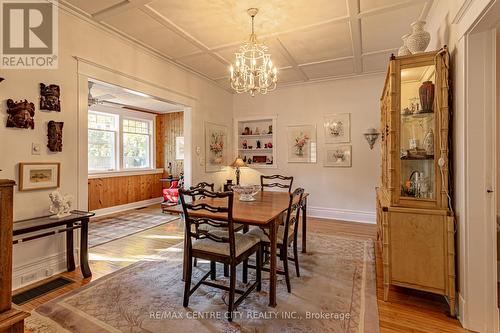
(287,235)
(220,243)
(210,186)
(279,181)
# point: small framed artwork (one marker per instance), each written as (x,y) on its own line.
(215,147)
(338,156)
(39,176)
(301,142)
(338,128)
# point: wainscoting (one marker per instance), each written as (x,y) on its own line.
(122,190)
(168,127)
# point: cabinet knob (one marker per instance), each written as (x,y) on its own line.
(489,190)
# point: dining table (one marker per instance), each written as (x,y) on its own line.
(264,212)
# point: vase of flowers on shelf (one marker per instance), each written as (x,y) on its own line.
(217,147)
(300,142)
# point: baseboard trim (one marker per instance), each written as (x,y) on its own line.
(132,205)
(461,308)
(40,269)
(342,214)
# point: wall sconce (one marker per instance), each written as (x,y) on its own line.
(371,136)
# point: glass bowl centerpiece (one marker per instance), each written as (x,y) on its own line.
(246,192)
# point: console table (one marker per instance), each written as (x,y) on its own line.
(35,228)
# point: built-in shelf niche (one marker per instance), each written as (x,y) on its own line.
(252,131)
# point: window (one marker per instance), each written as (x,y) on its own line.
(119,142)
(136,142)
(102,141)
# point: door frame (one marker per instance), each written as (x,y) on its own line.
(475,141)
(90,70)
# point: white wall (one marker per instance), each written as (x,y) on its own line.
(82,39)
(342,193)
(451,22)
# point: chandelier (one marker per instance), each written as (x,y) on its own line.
(253,70)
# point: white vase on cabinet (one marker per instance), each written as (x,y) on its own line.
(419,39)
(403,50)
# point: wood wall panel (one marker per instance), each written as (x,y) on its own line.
(114,191)
(168,127)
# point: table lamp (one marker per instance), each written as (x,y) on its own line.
(238,163)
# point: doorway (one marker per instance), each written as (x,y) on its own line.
(478,230)
(135,153)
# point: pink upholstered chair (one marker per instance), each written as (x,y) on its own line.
(171,194)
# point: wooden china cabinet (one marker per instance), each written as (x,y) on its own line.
(414,221)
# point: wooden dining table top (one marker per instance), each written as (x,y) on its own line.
(268,205)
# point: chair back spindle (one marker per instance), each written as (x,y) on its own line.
(283,182)
(203,185)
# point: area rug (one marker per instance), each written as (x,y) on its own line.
(335,293)
(108,228)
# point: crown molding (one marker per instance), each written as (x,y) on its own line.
(78,13)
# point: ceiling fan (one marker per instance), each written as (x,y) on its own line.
(95,100)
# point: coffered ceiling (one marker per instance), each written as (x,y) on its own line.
(309,39)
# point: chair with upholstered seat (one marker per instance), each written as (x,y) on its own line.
(220,243)
(211,186)
(278,181)
(286,236)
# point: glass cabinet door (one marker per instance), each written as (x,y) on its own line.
(417,131)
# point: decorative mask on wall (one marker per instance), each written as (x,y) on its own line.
(49,97)
(54,134)
(20,114)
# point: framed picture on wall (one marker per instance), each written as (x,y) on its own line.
(337,128)
(301,144)
(215,147)
(39,176)
(338,156)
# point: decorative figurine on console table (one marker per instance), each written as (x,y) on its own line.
(60,204)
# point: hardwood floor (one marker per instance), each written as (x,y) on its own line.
(406,311)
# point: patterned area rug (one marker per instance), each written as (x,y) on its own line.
(335,293)
(108,228)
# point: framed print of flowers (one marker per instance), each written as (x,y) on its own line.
(215,147)
(338,156)
(337,128)
(301,142)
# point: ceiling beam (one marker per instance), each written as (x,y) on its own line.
(325,61)
(355,28)
(154,14)
(388,8)
(118,9)
(292,60)
(274,34)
